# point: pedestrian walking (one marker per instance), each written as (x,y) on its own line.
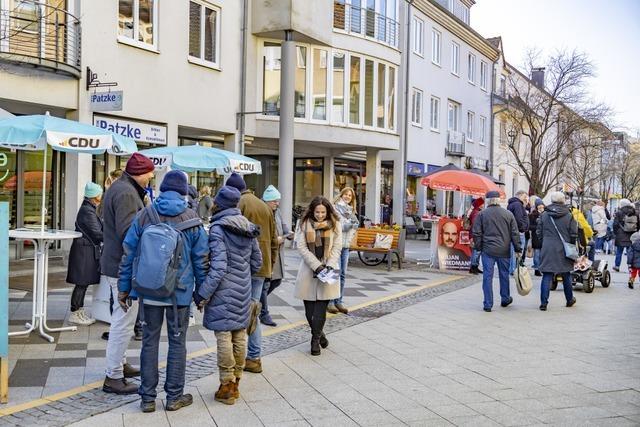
(121,203)
(478,205)
(346,208)
(84,256)
(142,254)
(226,292)
(633,258)
(258,213)
(585,232)
(625,223)
(271,197)
(599,219)
(205,203)
(536,243)
(556,226)
(495,232)
(319,242)
(517,207)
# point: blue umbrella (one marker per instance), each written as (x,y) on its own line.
(196,158)
(35,132)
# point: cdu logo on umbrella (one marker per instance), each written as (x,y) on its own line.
(77,141)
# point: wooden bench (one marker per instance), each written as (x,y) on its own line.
(366,237)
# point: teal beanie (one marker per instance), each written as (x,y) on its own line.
(271,194)
(92,190)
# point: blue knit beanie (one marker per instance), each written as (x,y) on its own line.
(175,181)
(228,197)
(92,190)
(271,194)
(237,182)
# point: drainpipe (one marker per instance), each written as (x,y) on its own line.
(405,142)
(493,117)
(243,75)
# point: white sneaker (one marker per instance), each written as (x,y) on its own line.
(192,321)
(87,317)
(80,318)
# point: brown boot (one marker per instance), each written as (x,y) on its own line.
(253,365)
(225,393)
(236,390)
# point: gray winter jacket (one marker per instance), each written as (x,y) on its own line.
(120,205)
(552,258)
(494,231)
(234,257)
(623,238)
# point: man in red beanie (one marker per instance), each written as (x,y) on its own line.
(120,204)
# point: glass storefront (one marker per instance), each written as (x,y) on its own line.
(350,173)
(308,181)
(258,183)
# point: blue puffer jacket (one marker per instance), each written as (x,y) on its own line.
(633,252)
(172,208)
(235,257)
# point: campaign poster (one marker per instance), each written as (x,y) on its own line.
(454,249)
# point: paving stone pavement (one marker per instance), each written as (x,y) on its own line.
(441,362)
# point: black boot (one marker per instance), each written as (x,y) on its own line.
(324,342)
(315,346)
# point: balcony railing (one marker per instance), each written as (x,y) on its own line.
(455,144)
(365,22)
(40,35)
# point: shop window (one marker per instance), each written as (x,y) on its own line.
(204,33)
(319,96)
(138,22)
(338,87)
(308,180)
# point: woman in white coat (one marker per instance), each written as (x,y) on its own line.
(600,221)
(319,241)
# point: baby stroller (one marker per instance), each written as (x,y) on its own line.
(586,273)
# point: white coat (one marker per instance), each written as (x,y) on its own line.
(599,218)
(309,288)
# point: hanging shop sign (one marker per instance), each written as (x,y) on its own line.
(138,131)
(415,169)
(106,101)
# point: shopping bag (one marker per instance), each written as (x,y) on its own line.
(383,241)
(523,279)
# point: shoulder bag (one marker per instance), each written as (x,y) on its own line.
(570,249)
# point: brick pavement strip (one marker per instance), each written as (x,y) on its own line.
(93,402)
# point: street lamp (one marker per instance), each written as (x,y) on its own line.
(511,136)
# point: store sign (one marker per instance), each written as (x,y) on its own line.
(242,167)
(106,101)
(138,131)
(415,169)
(76,142)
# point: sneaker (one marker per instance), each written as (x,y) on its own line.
(192,321)
(572,302)
(149,406)
(87,317)
(341,308)
(507,302)
(487,309)
(78,318)
(617,269)
(267,320)
(253,366)
(181,402)
(331,308)
(543,307)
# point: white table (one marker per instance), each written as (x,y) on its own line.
(41,242)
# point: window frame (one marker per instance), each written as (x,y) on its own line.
(200,60)
(455,59)
(136,21)
(484,68)
(456,108)
(418,38)
(471,118)
(483,131)
(471,68)
(436,100)
(436,60)
(415,94)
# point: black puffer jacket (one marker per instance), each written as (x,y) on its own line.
(623,238)
(494,230)
(536,243)
(552,257)
(516,207)
(84,257)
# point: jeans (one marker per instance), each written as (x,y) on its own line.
(120,331)
(255,339)
(176,356)
(316,314)
(475,258)
(536,259)
(512,262)
(268,287)
(488,263)
(619,253)
(599,243)
(592,252)
(567,285)
(232,349)
(344,262)
(77,297)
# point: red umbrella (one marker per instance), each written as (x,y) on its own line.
(461,180)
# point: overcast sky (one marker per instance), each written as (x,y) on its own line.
(607,30)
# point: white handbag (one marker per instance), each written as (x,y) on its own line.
(383,241)
(523,279)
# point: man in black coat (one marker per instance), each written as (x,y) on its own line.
(625,223)
(121,202)
(517,206)
(556,224)
(494,234)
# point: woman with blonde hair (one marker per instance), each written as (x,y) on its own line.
(345,205)
(319,240)
(205,203)
(113,176)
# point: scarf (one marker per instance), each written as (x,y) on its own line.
(317,235)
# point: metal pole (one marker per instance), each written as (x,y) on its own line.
(286,143)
